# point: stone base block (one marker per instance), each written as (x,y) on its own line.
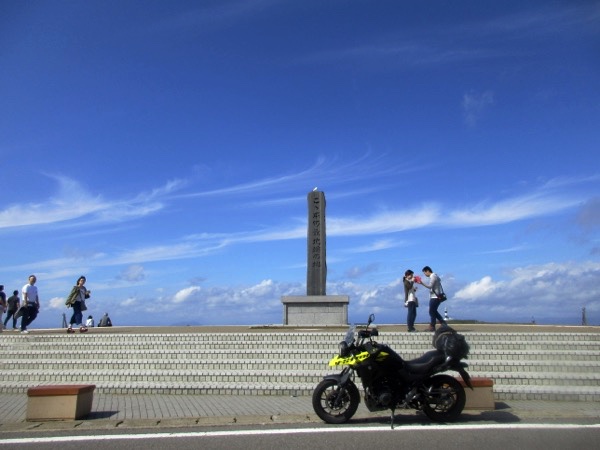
(315,310)
(59,402)
(482,395)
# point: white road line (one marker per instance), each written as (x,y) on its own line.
(263,432)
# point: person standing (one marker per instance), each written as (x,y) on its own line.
(13,304)
(410,299)
(435,287)
(76,300)
(2,304)
(31,303)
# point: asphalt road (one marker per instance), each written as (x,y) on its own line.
(488,436)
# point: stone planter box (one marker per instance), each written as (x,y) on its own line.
(59,402)
(482,395)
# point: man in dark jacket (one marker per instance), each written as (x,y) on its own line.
(12,306)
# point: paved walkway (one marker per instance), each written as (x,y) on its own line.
(167,411)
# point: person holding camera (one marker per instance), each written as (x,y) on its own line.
(436,296)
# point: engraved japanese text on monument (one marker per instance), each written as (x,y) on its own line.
(316,264)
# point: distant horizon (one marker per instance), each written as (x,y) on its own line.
(318,326)
(450,320)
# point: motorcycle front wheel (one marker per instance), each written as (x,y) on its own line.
(335,404)
(444,398)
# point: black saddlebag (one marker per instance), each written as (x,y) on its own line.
(451,343)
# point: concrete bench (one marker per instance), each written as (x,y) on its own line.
(482,395)
(59,402)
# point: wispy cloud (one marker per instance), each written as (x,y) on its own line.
(589,216)
(134,273)
(73,204)
(400,54)
(474,105)
(548,199)
(378,245)
(210,16)
(324,173)
(70,202)
(510,210)
(548,20)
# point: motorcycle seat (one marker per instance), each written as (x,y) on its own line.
(425,362)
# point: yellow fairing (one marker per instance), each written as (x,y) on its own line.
(354,359)
(381,356)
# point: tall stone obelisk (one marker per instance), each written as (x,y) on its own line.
(316,266)
(316,308)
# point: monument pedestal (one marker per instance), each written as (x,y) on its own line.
(315,309)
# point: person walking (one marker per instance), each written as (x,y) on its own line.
(410,299)
(31,303)
(76,300)
(13,303)
(435,287)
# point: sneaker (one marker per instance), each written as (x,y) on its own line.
(83,329)
(24,332)
(70,330)
(412,330)
(430,329)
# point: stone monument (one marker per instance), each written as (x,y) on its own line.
(316,240)
(316,308)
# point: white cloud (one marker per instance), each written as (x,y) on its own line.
(265,287)
(549,293)
(129,302)
(185,294)
(57,303)
(478,289)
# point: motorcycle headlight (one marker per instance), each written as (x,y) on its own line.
(344,349)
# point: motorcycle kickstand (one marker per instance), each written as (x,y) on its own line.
(392,418)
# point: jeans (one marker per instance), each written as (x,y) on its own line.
(434,315)
(29,315)
(411,316)
(77,316)
(11,313)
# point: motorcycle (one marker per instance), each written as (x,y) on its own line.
(392,383)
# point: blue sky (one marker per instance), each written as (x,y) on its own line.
(165,151)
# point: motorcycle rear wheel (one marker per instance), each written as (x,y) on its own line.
(330,407)
(444,398)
